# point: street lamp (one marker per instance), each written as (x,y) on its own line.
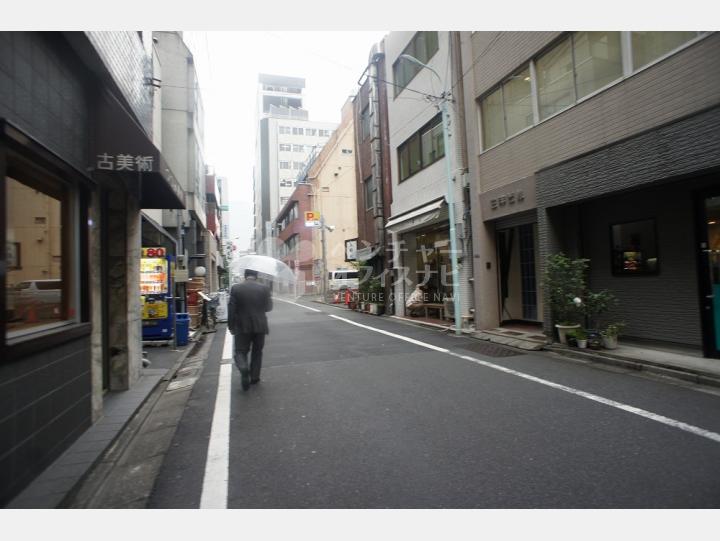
(443,99)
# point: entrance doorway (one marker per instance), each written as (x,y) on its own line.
(517,265)
(709,271)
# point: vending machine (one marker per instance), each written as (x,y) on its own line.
(156,294)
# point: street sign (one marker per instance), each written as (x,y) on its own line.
(312,218)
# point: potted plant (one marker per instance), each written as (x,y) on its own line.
(610,335)
(376,293)
(581,337)
(571,337)
(564,282)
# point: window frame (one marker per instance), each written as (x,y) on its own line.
(628,71)
(398,86)
(23,159)
(432,123)
(369,204)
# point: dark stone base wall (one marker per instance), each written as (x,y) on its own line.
(45,404)
(652,175)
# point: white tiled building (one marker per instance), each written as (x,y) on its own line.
(285,140)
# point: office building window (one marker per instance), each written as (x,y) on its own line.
(365,123)
(324,133)
(285,147)
(556,90)
(598,60)
(310,131)
(297,165)
(493,119)
(648,46)
(284,130)
(634,248)
(422,149)
(298,148)
(369,193)
(517,102)
(297,131)
(284,165)
(422,46)
(346,151)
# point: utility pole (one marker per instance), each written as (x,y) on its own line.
(324,256)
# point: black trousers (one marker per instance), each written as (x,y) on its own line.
(243,342)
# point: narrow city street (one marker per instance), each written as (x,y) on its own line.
(358,411)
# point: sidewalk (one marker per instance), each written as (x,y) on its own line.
(52,487)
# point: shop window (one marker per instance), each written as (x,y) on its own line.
(634,248)
(39,287)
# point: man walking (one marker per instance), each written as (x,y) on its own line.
(247,322)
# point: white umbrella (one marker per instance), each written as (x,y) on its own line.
(267,265)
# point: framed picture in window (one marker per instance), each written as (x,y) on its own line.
(634,248)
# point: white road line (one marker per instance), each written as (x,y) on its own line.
(217,465)
(296,304)
(398,336)
(595,398)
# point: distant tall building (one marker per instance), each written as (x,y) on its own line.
(285,140)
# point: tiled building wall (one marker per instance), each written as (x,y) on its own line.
(42,92)
(44,406)
(675,87)
(131,68)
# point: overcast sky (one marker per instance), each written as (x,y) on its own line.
(228,64)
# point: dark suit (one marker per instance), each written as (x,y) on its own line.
(249,301)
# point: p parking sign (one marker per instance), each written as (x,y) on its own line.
(312,218)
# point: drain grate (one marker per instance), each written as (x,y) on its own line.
(490,349)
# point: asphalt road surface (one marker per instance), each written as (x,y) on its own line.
(349,417)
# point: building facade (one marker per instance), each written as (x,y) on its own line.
(285,139)
(331,176)
(77,163)
(372,169)
(601,145)
(295,239)
(182,121)
(419,222)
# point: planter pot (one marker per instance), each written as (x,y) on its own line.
(562,329)
(582,344)
(610,342)
(374,308)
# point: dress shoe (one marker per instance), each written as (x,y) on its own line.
(245,379)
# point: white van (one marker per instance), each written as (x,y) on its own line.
(342,279)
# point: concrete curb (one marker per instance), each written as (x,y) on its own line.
(686,374)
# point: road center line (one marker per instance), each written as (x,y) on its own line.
(217,465)
(296,304)
(589,396)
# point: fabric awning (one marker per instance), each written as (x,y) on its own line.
(416,217)
(122,148)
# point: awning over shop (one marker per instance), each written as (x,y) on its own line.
(123,149)
(414,218)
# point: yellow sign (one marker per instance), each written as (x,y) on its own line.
(312,218)
(154,309)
